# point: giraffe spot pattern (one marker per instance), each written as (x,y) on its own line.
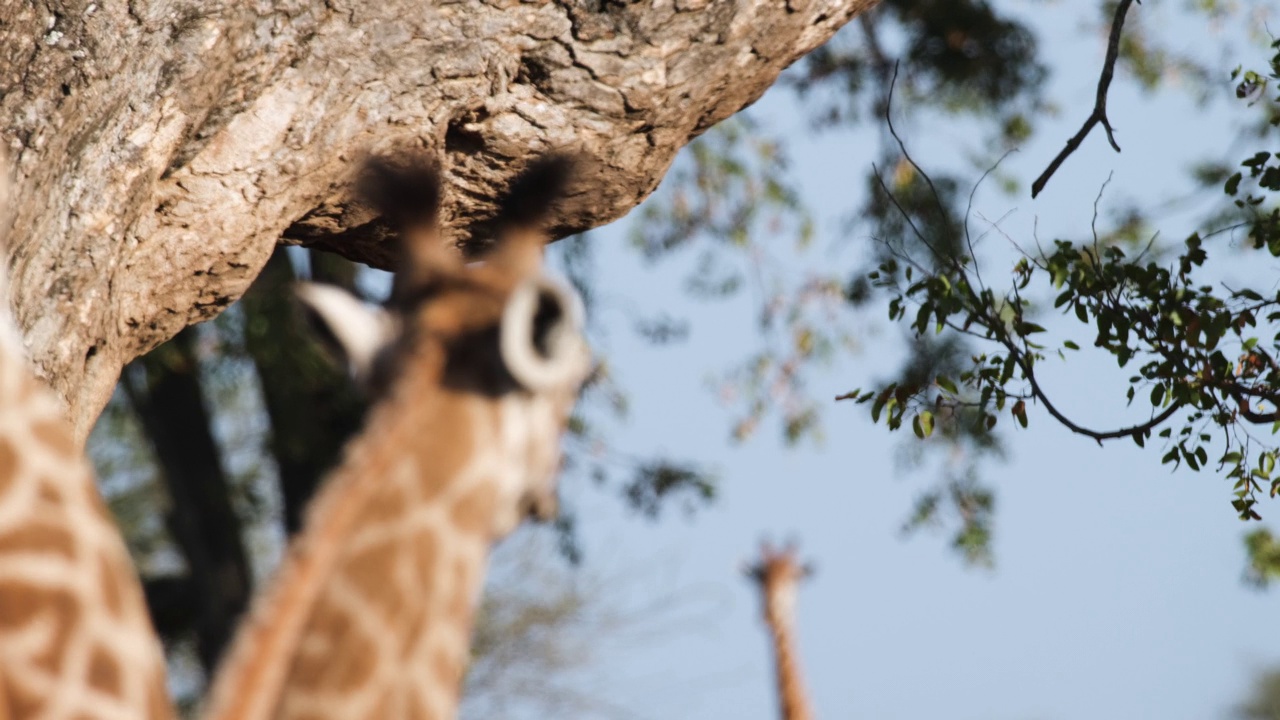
(20,702)
(55,437)
(386,504)
(446,666)
(38,536)
(23,604)
(425,547)
(112,587)
(370,571)
(342,664)
(8,466)
(49,494)
(104,671)
(61,656)
(473,512)
(465,583)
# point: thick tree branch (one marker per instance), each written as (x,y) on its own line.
(161,148)
(1099,114)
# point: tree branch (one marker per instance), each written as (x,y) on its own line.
(159,153)
(1099,114)
(1066,422)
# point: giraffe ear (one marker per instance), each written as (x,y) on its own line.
(540,337)
(359,331)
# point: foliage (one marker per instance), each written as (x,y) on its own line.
(1263,552)
(1204,352)
(1264,700)
(593,451)
(732,199)
(962,57)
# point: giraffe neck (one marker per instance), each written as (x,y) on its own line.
(75,637)
(371,614)
(793,698)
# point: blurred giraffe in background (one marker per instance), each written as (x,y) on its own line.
(778,573)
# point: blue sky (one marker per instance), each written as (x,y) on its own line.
(1117,591)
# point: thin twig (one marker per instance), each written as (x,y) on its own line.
(903,256)
(1151,242)
(1098,436)
(968,239)
(1093,224)
(903,212)
(1099,114)
(888,119)
(995,227)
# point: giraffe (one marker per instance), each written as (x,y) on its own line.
(779,573)
(474,369)
(75,637)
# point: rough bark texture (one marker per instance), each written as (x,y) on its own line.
(161,148)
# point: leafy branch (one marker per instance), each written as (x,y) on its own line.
(1205,354)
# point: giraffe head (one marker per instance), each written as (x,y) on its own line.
(779,572)
(497,334)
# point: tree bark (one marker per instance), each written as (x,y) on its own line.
(161,148)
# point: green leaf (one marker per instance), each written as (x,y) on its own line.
(1233,184)
(879,404)
(925,421)
(1007,371)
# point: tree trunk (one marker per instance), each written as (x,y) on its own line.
(161,148)
(314,407)
(201,519)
